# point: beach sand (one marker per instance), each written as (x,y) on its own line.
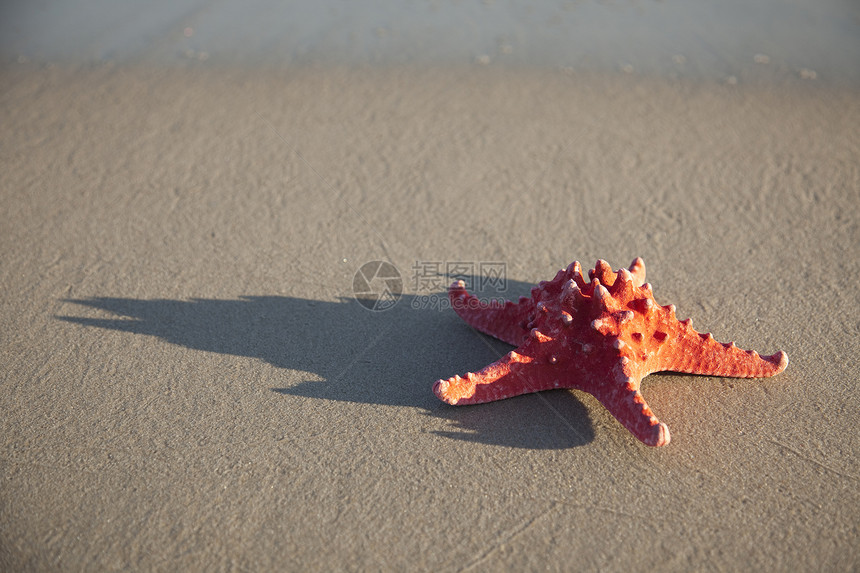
(187,382)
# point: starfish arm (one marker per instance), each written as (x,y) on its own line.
(512,375)
(506,321)
(629,407)
(689,351)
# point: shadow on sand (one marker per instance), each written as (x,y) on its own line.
(390,357)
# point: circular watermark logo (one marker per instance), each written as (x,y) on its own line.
(377,285)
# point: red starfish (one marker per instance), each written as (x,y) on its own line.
(601,337)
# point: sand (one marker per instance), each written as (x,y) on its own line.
(187,382)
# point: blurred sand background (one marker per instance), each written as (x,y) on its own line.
(188,383)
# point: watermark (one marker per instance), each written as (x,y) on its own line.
(430,280)
(378,285)
(440,301)
(480,276)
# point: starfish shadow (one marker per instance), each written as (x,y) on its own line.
(388,358)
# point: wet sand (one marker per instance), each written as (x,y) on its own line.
(188,383)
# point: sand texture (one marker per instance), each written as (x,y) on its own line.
(187,383)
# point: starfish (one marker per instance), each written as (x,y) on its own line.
(601,337)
